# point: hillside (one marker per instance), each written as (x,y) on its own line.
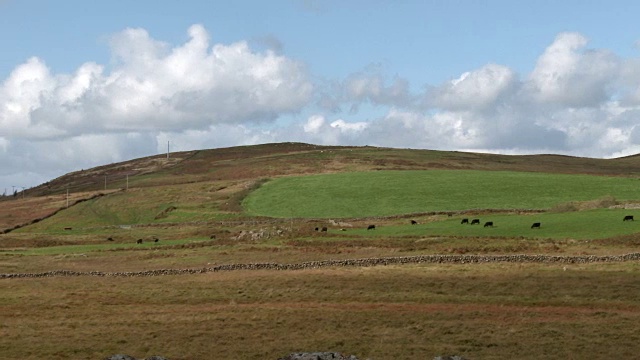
(280,159)
(224,176)
(228,252)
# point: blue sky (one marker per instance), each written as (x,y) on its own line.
(84,83)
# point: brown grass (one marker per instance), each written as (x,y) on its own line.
(480,312)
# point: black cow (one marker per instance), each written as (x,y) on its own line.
(488,224)
(155,239)
(324,229)
(628,218)
(139,241)
(413,222)
(371,227)
(475,221)
(464,221)
(110,238)
(535,226)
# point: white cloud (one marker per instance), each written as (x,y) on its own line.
(314,124)
(478,89)
(154,87)
(567,76)
(198,95)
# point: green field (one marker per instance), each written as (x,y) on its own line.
(591,224)
(383,193)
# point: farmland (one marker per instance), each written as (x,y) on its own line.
(262,205)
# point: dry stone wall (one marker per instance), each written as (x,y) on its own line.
(366,262)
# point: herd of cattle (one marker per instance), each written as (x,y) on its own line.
(535,225)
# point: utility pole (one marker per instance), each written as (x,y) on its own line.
(167,150)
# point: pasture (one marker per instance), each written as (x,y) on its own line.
(262,204)
(384,193)
(578,225)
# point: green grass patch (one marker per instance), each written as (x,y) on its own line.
(384,193)
(591,224)
(85,248)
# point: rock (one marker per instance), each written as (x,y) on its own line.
(120,357)
(318,356)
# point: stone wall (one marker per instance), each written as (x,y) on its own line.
(418,259)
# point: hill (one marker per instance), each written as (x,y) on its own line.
(281,159)
(226,175)
(227,253)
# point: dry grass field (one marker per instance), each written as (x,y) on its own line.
(192,203)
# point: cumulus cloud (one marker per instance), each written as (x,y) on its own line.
(199,94)
(570,76)
(366,87)
(479,89)
(152,86)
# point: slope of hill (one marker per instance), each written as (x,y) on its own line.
(217,179)
(280,159)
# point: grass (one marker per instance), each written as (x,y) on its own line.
(480,312)
(192,203)
(383,193)
(581,225)
(86,248)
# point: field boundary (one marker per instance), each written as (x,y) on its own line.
(367,262)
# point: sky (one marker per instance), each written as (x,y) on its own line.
(89,83)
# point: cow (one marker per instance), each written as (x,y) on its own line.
(488,224)
(68,228)
(317,229)
(535,225)
(139,241)
(413,222)
(109,238)
(464,221)
(475,221)
(628,218)
(371,227)
(324,229)
(155,239)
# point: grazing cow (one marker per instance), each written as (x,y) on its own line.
(371,227)
(535,226)
(156,239)
(413,222)
(488,224)
(324,229)
(68,228)
(109,238)
(317,229)
(464,221)
(139,241)
(628,218)
(475,221)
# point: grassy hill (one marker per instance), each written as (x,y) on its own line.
(295,180)
(250,207)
